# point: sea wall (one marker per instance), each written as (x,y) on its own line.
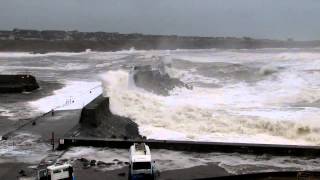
(17,83)
(95,112)
(198,146)
(97,121)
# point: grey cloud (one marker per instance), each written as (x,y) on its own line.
(279,19)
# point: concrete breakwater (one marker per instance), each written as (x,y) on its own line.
(194,146)
(17,83)
(95,112)
(97,121)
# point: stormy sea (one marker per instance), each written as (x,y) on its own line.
(269,96)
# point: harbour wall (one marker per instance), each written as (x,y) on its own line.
(17,83)
(95,112)
(97,121)
(195,146)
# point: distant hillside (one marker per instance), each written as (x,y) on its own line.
(51,40)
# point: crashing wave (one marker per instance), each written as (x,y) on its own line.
(192,113)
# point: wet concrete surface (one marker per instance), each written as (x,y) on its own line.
(60,123)
(210,170)
(10,171)
(18,104)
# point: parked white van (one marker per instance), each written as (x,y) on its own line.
(141,165)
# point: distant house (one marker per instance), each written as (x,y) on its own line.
(173,36)
(76,35)
(52,35)
(247,38)
(154,37)
(90,37)
(134,36)
(6,35)
(22,34)
(101,36)
(114,36)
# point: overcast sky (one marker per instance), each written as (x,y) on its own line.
(277,19)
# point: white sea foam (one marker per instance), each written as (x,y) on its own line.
(220,113)
(27,54)
(58,67)
(23,147)
(6,113)
(189,76)
(243,56)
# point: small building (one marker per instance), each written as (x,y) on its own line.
(76,35)
(53,35)
(23,34)
(90,36)
(6,35)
